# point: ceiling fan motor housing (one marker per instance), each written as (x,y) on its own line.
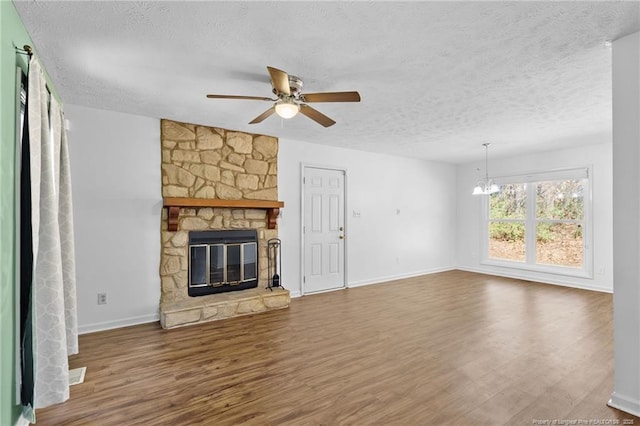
(295,86)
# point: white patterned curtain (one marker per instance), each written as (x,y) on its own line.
(67,242)
(54,308)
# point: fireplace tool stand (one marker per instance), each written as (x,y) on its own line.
(274,260)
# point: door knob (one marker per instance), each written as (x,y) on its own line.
(342,237)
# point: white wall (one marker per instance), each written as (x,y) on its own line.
(626,230)
(117,205)
(468,252)
(116,179)
(115,170)
(381,244)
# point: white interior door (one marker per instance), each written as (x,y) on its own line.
(323,229)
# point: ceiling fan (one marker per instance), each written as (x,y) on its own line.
(290,99)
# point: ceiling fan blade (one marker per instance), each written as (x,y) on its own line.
(261,117)
(280,80)
(251,98)
(332,97)
(316,115)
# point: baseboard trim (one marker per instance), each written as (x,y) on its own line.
(22,421)
(109,325)
(388,278)
(294,294)
(626,404)
(524,277)
(329,290)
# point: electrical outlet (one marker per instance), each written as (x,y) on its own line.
(102,298)
(356,213)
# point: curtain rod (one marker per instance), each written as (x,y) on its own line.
(26,50)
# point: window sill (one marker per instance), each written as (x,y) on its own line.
(546,269)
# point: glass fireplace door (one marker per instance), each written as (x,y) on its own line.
(226,264)
(249,261)
(216,264)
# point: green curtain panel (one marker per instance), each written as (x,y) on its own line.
(26,271)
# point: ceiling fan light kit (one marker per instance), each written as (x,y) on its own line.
(287,108)
(290,100)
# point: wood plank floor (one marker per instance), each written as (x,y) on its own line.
(449,348)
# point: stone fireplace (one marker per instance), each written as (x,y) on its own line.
(224,183)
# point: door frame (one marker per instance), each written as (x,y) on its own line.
(303,167)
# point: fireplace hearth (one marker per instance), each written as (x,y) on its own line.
(222,261)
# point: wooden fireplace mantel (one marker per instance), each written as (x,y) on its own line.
(174,204)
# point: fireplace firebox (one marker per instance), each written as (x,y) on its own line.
(222,261)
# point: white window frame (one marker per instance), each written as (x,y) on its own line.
(530,223)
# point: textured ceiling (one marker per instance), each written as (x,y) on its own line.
(437,79)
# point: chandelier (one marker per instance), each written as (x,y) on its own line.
(486,186)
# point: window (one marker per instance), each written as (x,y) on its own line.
(540,222)
(507,214)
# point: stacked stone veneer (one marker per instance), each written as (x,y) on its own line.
(213,163)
